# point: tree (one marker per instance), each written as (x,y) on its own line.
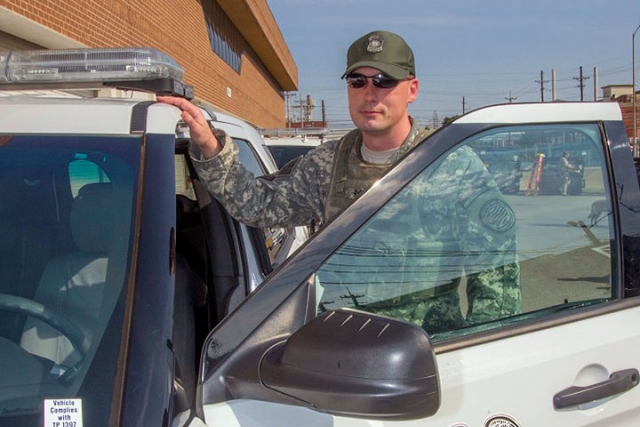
(448,120)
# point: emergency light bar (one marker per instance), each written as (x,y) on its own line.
(145,69)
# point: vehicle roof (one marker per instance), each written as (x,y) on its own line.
(544,112)
(108,116)
(299,141)
(60,112)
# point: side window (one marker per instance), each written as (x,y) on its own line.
(82,172)
(513,224)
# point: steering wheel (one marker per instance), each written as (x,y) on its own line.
(34,309)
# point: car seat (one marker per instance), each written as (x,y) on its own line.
(73,285)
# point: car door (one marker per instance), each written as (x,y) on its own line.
(529,300)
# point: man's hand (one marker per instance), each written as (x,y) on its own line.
(198,127)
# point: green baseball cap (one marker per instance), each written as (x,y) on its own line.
(384,51)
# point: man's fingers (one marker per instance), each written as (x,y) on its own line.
(198,127)
(191,114)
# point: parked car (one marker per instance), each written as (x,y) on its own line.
(114,257)
(311,346)
(133,314)
(285,149)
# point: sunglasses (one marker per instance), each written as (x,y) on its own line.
(382,81)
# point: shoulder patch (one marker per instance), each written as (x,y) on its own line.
(497,215)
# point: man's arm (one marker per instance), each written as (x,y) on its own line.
(487,227)
(288,200)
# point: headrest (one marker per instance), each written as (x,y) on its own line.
(92,217)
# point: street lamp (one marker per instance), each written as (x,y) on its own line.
(633,77)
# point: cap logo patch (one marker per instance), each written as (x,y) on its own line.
(375,43)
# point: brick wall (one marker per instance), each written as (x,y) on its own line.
(178,28)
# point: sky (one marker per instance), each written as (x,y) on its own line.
(469,53)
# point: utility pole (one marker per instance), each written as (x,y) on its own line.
(463,106)
(511,98)
(553,84)
(581,79)
(542,81)
(310,105)
(595,83)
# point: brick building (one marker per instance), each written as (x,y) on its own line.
(232,51)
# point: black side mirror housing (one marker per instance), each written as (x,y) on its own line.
(357,364)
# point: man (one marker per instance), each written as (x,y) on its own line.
(567,168)
(381,83)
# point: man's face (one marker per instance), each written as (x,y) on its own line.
(377,111)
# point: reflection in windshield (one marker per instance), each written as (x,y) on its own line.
(501,228)
(65,214)
(284,153)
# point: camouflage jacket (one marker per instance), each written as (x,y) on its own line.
(294,198)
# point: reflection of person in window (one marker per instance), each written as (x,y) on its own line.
(450,224)
(567,168)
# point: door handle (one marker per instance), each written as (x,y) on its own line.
(618,382)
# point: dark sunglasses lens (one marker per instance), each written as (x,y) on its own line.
(356,81)
(384,82)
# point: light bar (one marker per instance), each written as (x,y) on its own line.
(114,67)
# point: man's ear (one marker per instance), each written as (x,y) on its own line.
(414,84)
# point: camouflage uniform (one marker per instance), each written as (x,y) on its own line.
(408,262)
(462,213)
(295,198)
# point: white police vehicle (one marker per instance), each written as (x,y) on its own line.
(287,148)
(86,190)
(114,259)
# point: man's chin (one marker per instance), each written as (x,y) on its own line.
(371,126)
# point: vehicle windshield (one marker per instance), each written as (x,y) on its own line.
(66,210)
(284,153)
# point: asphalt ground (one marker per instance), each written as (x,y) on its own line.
(562,257)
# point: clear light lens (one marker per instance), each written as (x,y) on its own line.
(87,65)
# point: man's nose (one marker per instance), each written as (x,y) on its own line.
(370,92)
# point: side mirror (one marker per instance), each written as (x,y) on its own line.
(357,364)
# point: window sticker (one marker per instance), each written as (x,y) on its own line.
(62,413)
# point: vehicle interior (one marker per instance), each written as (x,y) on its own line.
(65,217)
(217,261)
(66,214)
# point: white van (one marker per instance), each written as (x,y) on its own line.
(285,149)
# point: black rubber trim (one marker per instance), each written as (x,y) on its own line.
(139,117)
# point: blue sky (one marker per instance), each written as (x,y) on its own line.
(482,51)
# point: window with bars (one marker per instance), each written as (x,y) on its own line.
(224,37)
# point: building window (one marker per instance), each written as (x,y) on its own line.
(224,37)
